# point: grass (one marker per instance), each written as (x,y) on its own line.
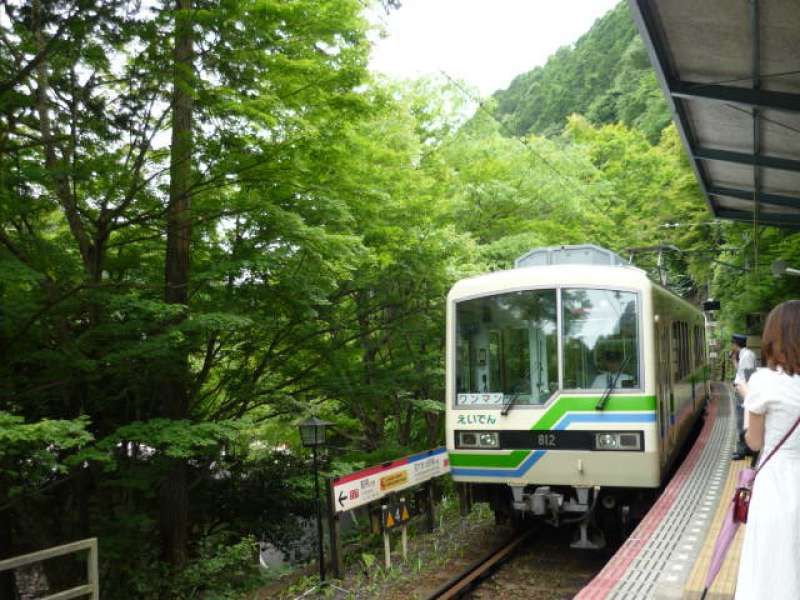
(428,553)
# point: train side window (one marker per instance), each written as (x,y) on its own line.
(676,337)
(687,367)
(601,339)
(681,344)
(699,346)
(684,351)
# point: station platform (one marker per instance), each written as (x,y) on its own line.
(667,555)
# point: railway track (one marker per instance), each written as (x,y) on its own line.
(542,569)
(482,568)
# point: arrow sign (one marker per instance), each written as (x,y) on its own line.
(342,498)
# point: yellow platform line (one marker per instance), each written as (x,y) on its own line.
(724,585)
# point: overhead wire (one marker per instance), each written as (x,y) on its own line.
(481,106)
(564,178)
(767,119)
(521,140)
(701,84)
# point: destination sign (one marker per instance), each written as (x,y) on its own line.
(486,398)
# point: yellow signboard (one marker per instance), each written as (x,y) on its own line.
(404,516)
(388,522)
(394,480)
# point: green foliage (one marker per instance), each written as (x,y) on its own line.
(330,214)
(174,438)
(33,455)
(219,572)
(741,275)
(368,560)
(605,76)
(88,333)
(60,435)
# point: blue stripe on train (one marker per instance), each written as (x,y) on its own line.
(565,422)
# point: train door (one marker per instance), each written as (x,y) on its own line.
(664,396)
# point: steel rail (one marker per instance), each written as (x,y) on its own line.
(471,577)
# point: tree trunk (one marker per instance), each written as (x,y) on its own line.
(61,184)
(372,414)
(405,418)
(174,391)
(433,422)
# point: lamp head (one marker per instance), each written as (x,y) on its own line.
(312,432)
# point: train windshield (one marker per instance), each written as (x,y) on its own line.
(600,339)
(507,348)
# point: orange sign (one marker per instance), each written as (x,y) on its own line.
(394,480)
(388,522)
(404,516)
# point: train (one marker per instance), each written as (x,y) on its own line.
(573,382)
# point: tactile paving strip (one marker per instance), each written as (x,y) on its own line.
(656,560)
(724,585)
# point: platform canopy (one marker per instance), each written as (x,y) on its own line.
(731,72)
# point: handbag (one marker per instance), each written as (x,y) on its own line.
(743,493)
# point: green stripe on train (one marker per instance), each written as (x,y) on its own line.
(566,404)
(563,405)
(508,461)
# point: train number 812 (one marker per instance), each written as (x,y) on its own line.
(546,440)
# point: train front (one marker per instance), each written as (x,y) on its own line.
(548,414)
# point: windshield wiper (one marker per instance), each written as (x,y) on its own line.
(507,406)
(519,387)
(601,404)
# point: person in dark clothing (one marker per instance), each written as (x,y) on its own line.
(745,365)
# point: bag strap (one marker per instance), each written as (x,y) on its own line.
(776,448)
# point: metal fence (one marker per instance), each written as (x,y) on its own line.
(92,586)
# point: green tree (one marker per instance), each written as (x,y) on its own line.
(160,165)
(605,75)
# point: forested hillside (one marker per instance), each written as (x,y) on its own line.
(215,222)
(605,76)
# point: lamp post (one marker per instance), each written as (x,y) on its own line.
(312,434)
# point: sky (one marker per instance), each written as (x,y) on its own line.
(485,43)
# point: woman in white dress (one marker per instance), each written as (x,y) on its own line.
(769,568)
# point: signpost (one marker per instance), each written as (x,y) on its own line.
(391,518)
(404,519)
(388,523)
(373,484)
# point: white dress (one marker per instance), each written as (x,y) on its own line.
(769,568)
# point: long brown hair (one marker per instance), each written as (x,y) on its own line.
(780,343)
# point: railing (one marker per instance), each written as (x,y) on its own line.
(91,587)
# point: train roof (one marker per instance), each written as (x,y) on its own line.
(584,265)
(600,276)
(578,254)
(603,276)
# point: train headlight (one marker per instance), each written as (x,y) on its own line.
(468,439)
(477,439)
(488,440)
(623,440)
(606,441)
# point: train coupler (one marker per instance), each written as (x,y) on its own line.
(589,537)
(541,502)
